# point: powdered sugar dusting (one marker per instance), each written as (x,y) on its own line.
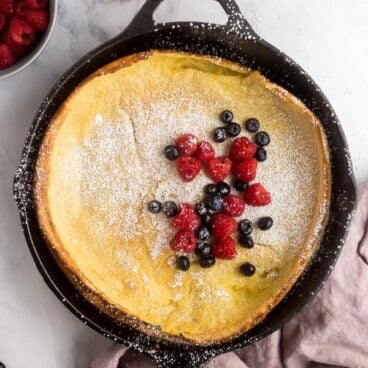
(125,159)
(119,164)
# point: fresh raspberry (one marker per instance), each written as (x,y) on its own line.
(233,205)
(218,168)
(224,249)
(257,195)
(187,219)
(7,7)
(18,50)
(204,151)
(36,4)
(21,8)
(183,241)
(2,21)
(188,167)
(245,170)
(241,149)
(222,225)
(38,19)
(7,57)
(187,144)
(21,32)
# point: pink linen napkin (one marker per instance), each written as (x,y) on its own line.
(332,331)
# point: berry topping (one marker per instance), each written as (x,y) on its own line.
(204,151)
(38,19)
(262,139)
(210,189)
(252,125)
(247,269)
(2,22)
(21,32)
(201,209)
(183,241)
(226,116)
(224,249)
(241,149)
(188,167)
(245,227)
(223,188)
(207,262)
(187,219)
(187,144)
(170,209)
(203,233)
(240,186)
(233,205)
(37,4)
(246,241)
(256,195)
(233,129)
(154,206)
(7,7)
(222,225)
(205,219)
(218,168)
(6,56)
(202,249)
(261,154)
(183,263)
(265,223)
(171,152)
(220,135)
(245,170)
(215,202)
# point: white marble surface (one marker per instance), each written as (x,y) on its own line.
(328,38)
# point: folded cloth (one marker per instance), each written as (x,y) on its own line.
(332,331)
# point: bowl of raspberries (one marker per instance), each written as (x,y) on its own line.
(25,29)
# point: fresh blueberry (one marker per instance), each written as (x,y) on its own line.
(207,262)
(201,209)
(262,139)
(245,227)
(241,186)
(170,208)
(205,220)
(261,154)
(154,206)
(171,152)
(215,202)
(183,263)
(246,241)
(202,249)
(203,233)
(210,189)
(219,135)
(226,116)
(252,125)
(265,223)
(247,269)
(223,188)
(233,129)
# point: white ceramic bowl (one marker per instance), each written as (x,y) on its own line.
(36,51)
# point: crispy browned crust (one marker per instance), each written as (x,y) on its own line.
(87,289)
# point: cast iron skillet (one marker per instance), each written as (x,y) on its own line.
(235,41)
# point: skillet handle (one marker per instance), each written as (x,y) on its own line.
(143,21)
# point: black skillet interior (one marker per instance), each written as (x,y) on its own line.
(235,41)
